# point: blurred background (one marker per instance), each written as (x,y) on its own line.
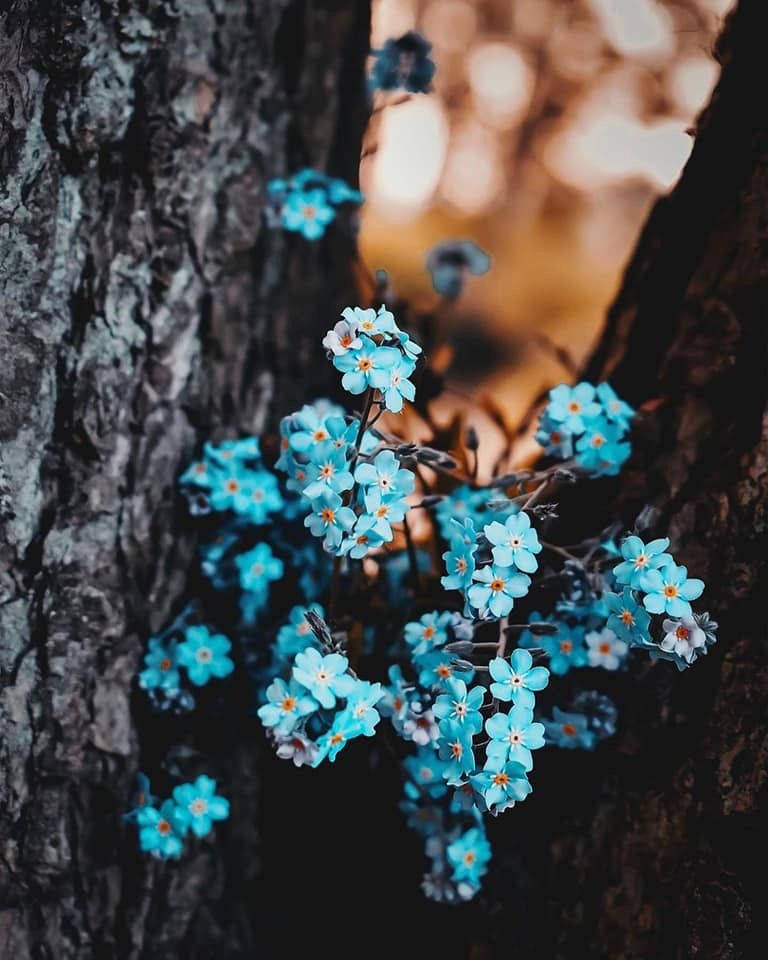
(552,127)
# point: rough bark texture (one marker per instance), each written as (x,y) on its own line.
(145,306)
(657,848)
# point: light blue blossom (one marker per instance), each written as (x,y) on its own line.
(639,558)
(600,449)
(669,590)
(514,542)
(161,666)
(361,702)
(399,386)
(565,649)
(455,749)
(368,321)
(517,680)
(513,736)
(198,806)
(497,588)
(438,668)
(426,768)
(330,519)
(383,477)
(614,408)
(569,730)
(570,406)
(142,797)
(605,649)
(258,567)
(229,451)
(363,538)
(627,618)
(460,705)
(296,635)
(386,510)
(325,677)
(288,703)
(327,469)
(460,559)
(226,485)
(502,788)
(345,727)
(556,440)
(158,834)
(366,367)
(204,655)
(428,632)
(469,855)
(308,213)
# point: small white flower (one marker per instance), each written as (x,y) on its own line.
(343,337)
(420,726)
(683,637)
(605,649)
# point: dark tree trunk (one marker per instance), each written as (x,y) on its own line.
(145,307)
(657,848)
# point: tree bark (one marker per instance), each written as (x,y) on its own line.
(657,847)
(145,308)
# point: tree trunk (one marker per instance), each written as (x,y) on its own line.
(145,307)
(657,847)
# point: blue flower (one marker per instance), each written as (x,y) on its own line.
(448,264)
(469,855)
(308,213)
(497,589)
(327,469)
(346,726)
(258,567)
(368,321)
(604,649)
(403,63)
(204,654)
(161,667)
(245,449)
(198,806)
(288,703)
(325,677)
(614,408)
(330,519)
(339,192)
(259,498)
(639,558)
(438,668)
(502,788)
(364,537)
(428,632)
(669,590)
(569,730)
(514,542)
(386,510)
(296,635)
(361,703)
(395,699)
(627,618)
(399,386)
(556,440)
(571,405)
(518,679)
(158,833)
(600,449)
(460,705)
(460,559)
(368,366)
(513,736)
(383,477)
(565,649)
(455,748)
(197,474)
(227,485)
(425,768)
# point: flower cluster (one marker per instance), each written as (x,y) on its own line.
(655,586)
(303,712)
(509,550)
(403,64)
(589,425)
(308,202)
(196,651)
(192,808)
